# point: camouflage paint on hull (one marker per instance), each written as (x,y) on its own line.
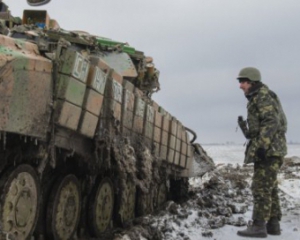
(24,74)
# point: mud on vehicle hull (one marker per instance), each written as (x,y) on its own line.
(84,148)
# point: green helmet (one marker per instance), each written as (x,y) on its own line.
(251,73)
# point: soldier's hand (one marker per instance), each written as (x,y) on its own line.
(242,123)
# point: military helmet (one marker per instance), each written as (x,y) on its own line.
(250,73)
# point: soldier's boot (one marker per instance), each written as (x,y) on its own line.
(273,226)
(257,230)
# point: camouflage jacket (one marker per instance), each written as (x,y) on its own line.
(267,123)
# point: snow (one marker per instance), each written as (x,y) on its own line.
(290,224)
(193,220)
(234,154)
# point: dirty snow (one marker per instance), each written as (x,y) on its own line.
(221,202)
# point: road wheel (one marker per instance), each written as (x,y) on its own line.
(64,208)
(19,201)
(101,207)
(127,203)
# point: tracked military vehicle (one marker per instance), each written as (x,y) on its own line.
(84,148)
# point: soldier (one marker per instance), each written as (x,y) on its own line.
(265,130)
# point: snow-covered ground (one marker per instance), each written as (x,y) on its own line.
(221,203)
(290,188)
(235,153)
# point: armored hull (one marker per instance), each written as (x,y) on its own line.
(84,148)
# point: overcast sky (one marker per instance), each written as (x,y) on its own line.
(199,46)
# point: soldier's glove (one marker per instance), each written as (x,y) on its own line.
(261,153)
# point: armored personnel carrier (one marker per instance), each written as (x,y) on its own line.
(84,148)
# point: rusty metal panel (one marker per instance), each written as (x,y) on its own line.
(166,123)
(177,158)
(139,113)
(97,79)
(161,110)
(157,134)
(138,123)
(164,112)
(158,119)
(155,106)
(179,129)
(164,137)
(127,107)
(149,122)
(19,49)
(121,63)
(183,159)
(128,119)
(43,66)
(25,63)
(109,116)
(139,109)
(184,148)
(111,110)
(75,65)
(24,73)
(117,77)
(184,135)
(70,89)
(128,86)
(149,114)
(163,152)
(148,130)
(171,154)
(178,145)
(114,90)
(128,100)
(105,67)
(19,111)
(72,141)
(97,61)
(93,101)
(67,114)
(157,149)
(187,137)
(173,127)
(88,124)
(172,141)
(189,150)
(138,92)
(189,146)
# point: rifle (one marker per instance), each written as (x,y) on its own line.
(243,126)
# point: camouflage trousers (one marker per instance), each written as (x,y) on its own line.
(265,189)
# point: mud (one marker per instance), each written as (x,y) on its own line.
(221,200)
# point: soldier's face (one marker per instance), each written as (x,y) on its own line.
(245,85)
